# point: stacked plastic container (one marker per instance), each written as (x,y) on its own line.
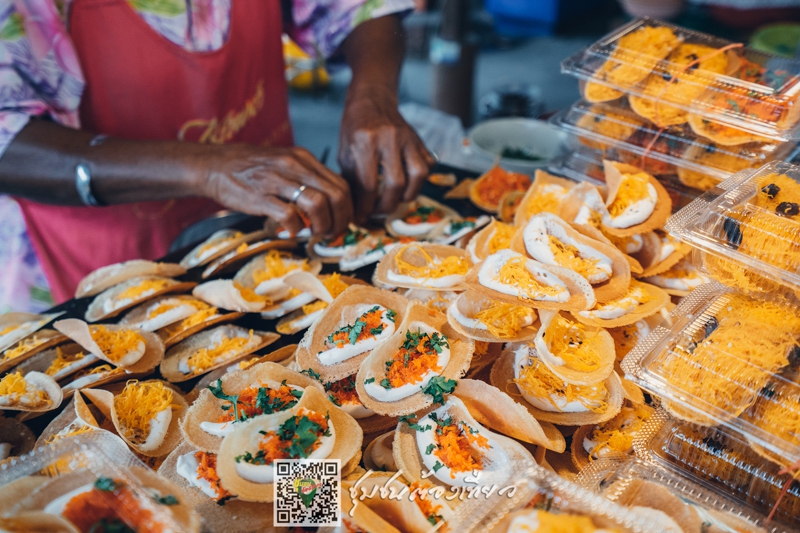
(687,107)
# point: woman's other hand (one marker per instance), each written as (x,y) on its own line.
(262,181)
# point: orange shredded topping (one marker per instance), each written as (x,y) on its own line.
(119,507)
(207,469)
(457,446)
(432,268)
(497,182)
(414,359)
(274,446)
(372,321)
(429,510)
(343,392)
(248,404)
(249,295)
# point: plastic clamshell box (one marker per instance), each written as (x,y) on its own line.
(677,145)
(586,164)
(713,467)
(709,225)
(675,342)
(724,99)
(538,488)
(101,453)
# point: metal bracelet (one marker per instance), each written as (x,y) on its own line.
(83,177)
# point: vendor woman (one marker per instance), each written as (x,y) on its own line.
(122,122)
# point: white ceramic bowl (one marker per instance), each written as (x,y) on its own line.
(535,137)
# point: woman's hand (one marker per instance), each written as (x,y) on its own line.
(261,181)
(377,145)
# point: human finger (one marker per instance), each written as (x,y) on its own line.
(417,169)
(394,176)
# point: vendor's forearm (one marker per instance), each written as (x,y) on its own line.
(40,162)
(374,50)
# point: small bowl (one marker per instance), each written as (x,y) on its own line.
(527,136)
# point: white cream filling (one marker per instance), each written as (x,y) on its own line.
(445,282)
(187,468)
(275,287)
(490,270)
(633,244)
(87,360)
(223,429)
(57,505)
(335,355)
(536,237)
(591,206)
(5,450)
(266,473)
(636,213)
(617,308)
(667,249)
(381,452)
(159,425)
(377,391)
(678,284)
(495,464)
(304,233)
(472,250)
(306,321)
(287,306)
(217,338)
(412,230)
(84,381)
(29,398)
(450,236)
(327,251)
(166,318)
(521,360)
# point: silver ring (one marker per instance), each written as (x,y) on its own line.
(297,194)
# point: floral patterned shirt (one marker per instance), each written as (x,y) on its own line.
(40,75)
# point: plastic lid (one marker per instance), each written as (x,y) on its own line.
(648,484)
(749,229)
(677,75)
(721,358)
(680,150)
(715,466)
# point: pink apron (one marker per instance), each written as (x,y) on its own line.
(139,85)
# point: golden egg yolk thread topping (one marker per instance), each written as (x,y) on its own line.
(147,286)
(368,325)
(418,355)
(170,305)
(117,343)
(83,428)
(277,264)
(218,244)
(618,433)
(250,295)
(62,361)
(546,202)
(538,381)
(777,410)
(729,365)
(571,342)
(207,469)
(432,267)
(504,320)
(501,237)
(191,321)
(9,329)
(23,346)
(458,446)
(516,274)
(570,257)
(297,438)
(15,387)
(138,404)
(228,347)
(634,188)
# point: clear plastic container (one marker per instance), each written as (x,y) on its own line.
(615,125)
(619,481)
(716,468)
(586,164)
(98,454)
(753,91)
(743,240)
(724,358)
(540,489)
